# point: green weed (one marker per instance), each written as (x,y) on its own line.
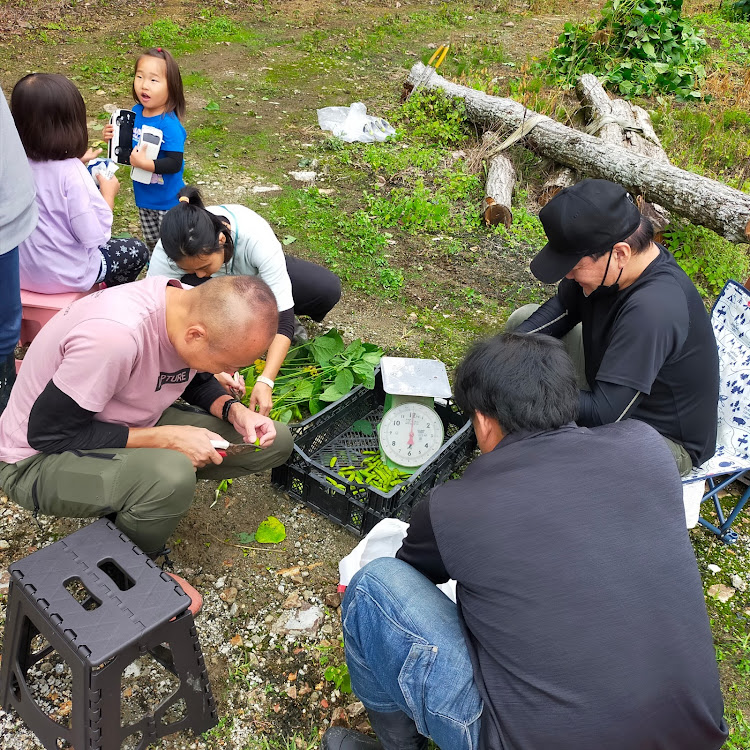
(708,259)
(711,141)
(433,117)
(166,32)
(638,47)
(350,243)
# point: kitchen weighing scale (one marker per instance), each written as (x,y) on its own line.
(411,432)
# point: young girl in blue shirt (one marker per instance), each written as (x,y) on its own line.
(160,103)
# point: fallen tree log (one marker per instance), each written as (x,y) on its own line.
(501,179)
(498,187)
(559,179)
(623,124)
(702,200)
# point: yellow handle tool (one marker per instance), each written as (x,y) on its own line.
(439,55)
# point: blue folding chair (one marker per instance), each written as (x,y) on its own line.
(730,319)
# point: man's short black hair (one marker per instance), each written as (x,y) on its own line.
(525,381)
(639,240)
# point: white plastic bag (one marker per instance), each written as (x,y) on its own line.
(383,540)
(354,124)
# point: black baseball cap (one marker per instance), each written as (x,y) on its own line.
(587,218)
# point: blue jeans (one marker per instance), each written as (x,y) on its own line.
(406,652)
(10,310)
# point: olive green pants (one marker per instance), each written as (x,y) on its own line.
(573,341)
(149,489)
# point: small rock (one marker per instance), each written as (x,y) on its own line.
(333,600)
(327,629)
(509,24)
(269,619)
(265,188)
(297,579)
(355,709)
(739,583)
(236,640)
(293,601)
(307,177)
(291,691)
(4,544)
(229,595)
(339,717)
(219,583)
(714,568)
(299,622)
(721,592)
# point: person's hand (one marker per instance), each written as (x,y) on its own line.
(234,385)
(194,442)
(91,153)
(139,159)
(108,131)
(108,187)
(261,398)
(252,425)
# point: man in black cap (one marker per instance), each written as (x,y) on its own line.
(646,349)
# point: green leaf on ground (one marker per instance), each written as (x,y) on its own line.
(363,426)
(270,531)
(246,538)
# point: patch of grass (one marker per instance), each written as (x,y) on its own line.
(104,71)
(433,117)
(730,623)
(707,140)
(195,80)
(351,244)
(421,208)
(179,37)
(708,259)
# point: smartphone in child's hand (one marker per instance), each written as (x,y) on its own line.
(151,138)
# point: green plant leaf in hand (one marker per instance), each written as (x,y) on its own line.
(270,531)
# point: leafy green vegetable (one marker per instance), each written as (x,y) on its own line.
(270,531)
(316,373)
(363,426)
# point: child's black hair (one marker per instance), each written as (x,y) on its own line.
(175,95)
(50,117)
(189,230)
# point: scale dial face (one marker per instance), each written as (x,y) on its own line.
(411,434)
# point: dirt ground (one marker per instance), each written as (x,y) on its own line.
(267,687)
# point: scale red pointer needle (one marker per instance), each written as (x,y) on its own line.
(411,432)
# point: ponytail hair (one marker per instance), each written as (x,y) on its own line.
(189,230)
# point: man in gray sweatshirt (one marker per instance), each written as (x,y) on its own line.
(18,217)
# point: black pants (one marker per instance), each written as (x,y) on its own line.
(125,258)
(315,289)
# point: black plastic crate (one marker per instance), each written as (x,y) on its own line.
(327,434)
